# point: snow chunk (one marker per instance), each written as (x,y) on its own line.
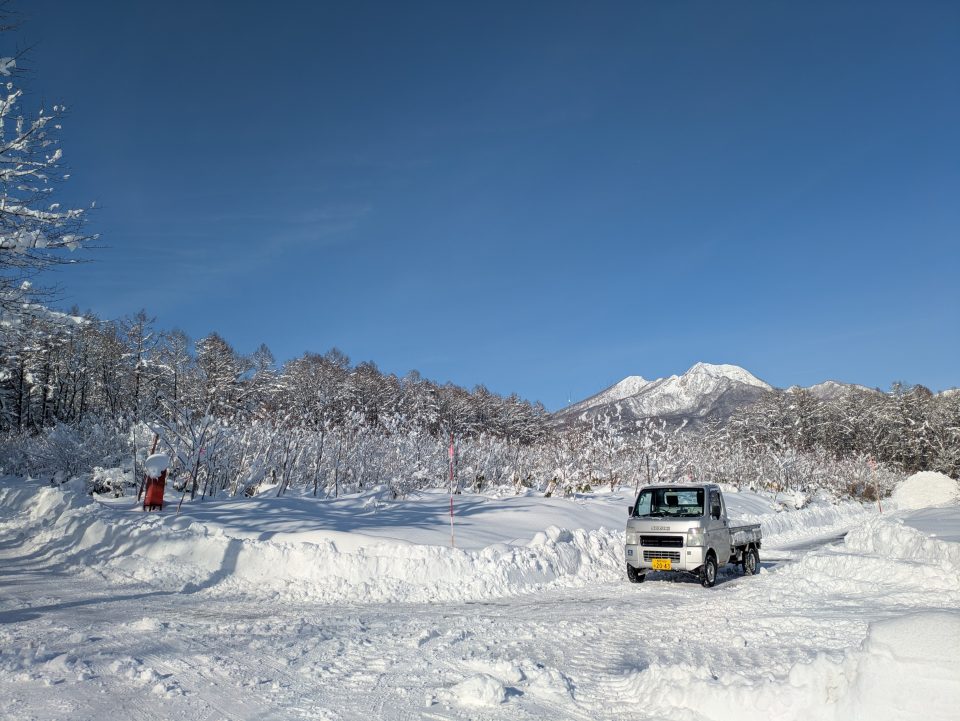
(926,489)
(480,690)
(156,464)
(148,624)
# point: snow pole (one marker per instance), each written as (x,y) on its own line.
(452,540)
(876,486)
(134,471)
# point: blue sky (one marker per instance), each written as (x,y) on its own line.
(540,197)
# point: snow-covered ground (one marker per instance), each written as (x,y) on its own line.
(360,608)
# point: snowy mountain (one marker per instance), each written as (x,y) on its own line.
(831,390)
(705,391)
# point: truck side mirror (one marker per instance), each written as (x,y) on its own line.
(630,509)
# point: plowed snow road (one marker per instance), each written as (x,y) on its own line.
(76,647)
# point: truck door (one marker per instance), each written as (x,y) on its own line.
(717,527)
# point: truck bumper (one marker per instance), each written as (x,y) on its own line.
(688,558)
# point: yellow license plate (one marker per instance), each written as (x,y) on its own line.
(661,564)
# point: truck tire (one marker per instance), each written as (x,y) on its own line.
(751,562)
(633,575)
(708,572)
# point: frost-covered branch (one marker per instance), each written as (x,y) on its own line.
(35,232)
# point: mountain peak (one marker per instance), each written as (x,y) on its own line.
(629,385)
(727,371)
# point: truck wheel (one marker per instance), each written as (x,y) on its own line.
(633,575)
(708,574)
(751,562)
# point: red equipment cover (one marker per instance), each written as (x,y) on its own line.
(154,496)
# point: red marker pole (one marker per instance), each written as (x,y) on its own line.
(452,542)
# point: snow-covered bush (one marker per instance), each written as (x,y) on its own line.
(69,450)
(110,481)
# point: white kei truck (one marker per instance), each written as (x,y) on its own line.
(678,527)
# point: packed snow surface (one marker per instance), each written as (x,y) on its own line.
(362,608)
(925,489)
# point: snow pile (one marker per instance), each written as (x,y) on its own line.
(495,682)
(926,489)
(904,670)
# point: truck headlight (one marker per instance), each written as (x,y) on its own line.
(695,537)
(631,539)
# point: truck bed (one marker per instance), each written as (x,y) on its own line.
(745,535)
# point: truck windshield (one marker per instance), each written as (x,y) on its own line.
(669,502)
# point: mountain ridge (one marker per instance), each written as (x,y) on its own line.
(704,392)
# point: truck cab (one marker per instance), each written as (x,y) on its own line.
(684,527)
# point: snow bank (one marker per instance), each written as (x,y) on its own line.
(893,537)
(40,503)
(177,554)
(374,571)
(780,526)
(905,669)
(926,489)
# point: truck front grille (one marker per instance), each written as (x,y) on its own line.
(662,541)
(672,555)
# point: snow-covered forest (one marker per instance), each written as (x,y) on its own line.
(78,392)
